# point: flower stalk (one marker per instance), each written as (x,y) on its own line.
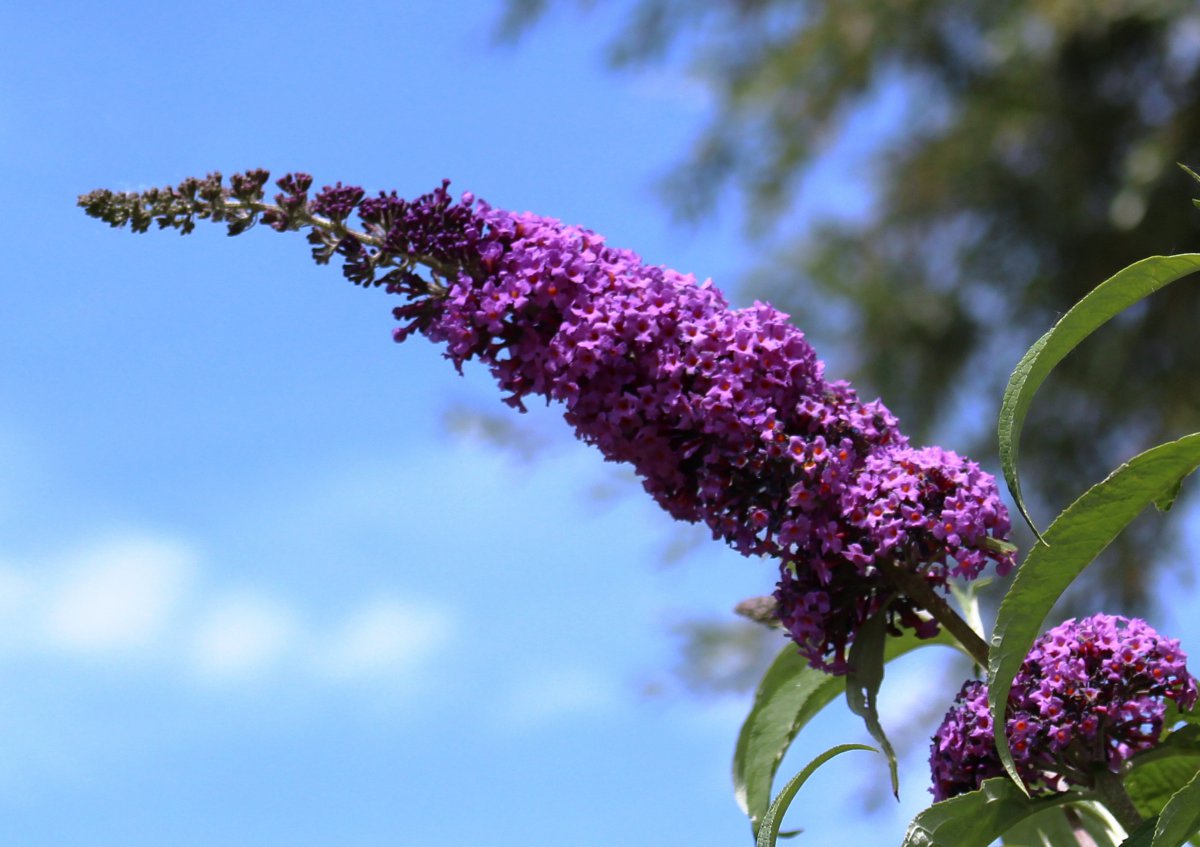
(1110,790)
(914,586)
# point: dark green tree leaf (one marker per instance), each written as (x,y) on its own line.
(1072,542)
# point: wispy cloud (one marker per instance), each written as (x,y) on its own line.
(559,693)
(242,635)
(383,638)
(119,594)
(148,600)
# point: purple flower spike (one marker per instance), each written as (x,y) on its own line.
(1089,695)
(724,413)
(727,417)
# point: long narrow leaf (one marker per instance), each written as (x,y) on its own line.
(1075,539)
(1111,297)
(768,833)
(863,683)
(790,695)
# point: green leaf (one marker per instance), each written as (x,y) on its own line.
(1143,836)
(768,833)
(1074,539)
(978,818)
(1164,503)
(1151,786)
(1192,717)
(1180,818)
(1048,828)
(863,681)
(790,695)
(1059,826)
(1161,771)
(1112,296)
(1098,822)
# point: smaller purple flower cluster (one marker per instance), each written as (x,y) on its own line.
(926,508)
(1089,695)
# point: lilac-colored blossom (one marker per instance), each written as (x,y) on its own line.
(1090,694)
(725,414)
(727,417)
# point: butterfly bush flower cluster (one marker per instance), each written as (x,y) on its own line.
(1089,695)
(726,414)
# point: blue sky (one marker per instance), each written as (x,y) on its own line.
(253,591)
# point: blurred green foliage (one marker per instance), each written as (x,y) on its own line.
(1031,157)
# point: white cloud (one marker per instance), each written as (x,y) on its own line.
(560,693)
(241,635)
(145,601)
(17,595)
(120,594)
(384,638)
(15,590)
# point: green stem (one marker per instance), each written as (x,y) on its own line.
(1110,790)
(340,230)
(915,586)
